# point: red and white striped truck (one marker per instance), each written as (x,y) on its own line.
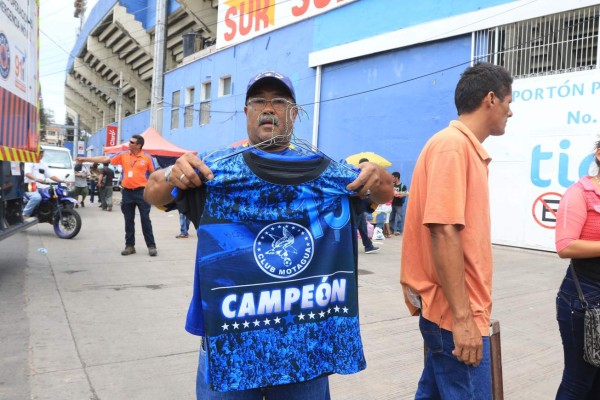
(19,111)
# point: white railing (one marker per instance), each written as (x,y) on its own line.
(556,43)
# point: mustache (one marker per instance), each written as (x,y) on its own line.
(268,119)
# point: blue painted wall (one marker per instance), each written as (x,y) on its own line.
(96,142)
(145,10)
(228,123)
(367,18)
(68,145)
(140,10)
(131,125)
(135,124)
(397,100)
(395,121)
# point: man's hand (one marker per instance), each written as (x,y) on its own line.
(468,344)
(184,175)
(374,180)
(448,259)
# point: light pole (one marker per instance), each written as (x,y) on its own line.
(78,13)
(119,106)
(159,64)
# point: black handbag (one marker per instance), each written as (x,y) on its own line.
(591,327)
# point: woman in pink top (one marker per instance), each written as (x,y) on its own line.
(578,238)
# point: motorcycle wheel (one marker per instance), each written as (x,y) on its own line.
(68,226)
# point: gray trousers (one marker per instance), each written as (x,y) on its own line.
(106,196)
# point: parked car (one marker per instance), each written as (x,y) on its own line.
(60,163)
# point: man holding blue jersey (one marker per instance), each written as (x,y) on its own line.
(274,322)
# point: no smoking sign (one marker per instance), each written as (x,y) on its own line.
(544,209)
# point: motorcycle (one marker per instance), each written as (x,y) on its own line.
(56,208)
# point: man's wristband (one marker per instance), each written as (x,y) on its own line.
(168,174)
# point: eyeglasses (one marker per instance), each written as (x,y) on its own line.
(130,142)
(278,103)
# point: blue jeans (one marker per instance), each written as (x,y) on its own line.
(316,389)
(184,224)
(35,198)
(444,376)
(580,380)
(92,190)
(132,198)
(396,219)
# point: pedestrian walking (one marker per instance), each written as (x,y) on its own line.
(136,165)
(447,266)
(81,183)
(105,184)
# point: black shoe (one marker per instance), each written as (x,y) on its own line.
(371,249)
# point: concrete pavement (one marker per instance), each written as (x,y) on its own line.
(88,323)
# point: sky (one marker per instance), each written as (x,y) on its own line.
(58,32)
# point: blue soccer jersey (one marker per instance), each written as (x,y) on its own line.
(275,288)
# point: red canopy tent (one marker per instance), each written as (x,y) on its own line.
(243,142)
(154,144)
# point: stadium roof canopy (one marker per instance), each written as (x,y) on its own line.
(114,55)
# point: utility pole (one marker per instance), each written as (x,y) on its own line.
(160,35)
(79,12)
(119,107)
(76,137)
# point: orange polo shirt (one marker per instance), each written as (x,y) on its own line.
(449,186)
(136,169)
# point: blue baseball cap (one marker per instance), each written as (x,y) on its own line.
(274,76)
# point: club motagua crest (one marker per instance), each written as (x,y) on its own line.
(283,249)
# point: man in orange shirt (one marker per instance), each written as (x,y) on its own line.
(446,269)
(136,166)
